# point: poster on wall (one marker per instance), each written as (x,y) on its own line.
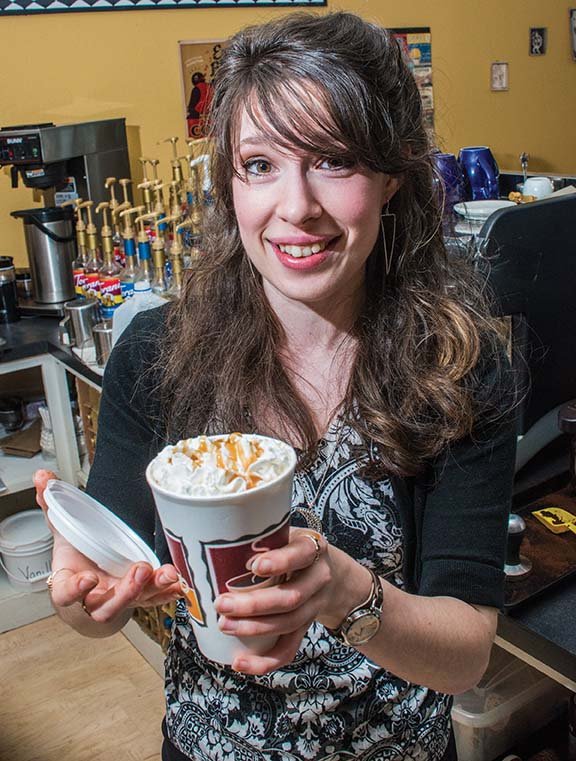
(199,62)
(417,46)
(16,7)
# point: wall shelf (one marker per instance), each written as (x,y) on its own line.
(17,472)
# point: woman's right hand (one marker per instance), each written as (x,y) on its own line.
(105,598)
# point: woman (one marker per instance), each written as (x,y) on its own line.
(325,313)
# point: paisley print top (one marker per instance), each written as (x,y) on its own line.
(331,703)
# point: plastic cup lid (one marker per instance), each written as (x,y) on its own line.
(94,530)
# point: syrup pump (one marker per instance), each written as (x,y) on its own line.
(110,287)
(176,255)
(79,263)
(130,273)
(158,284)
(145,186)
(114,209)
(144,248)
(93,262)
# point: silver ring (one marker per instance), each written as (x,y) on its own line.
(317,545)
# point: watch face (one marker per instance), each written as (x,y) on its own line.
(363,629)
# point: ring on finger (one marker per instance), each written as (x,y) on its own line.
(317,546)
(85,609)
(52,577)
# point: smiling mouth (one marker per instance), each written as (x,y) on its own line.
(299,252)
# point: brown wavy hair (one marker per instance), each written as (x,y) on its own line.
(331,85)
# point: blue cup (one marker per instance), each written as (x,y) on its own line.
(448,180)
(480,172)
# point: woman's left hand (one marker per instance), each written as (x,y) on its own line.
(320,585)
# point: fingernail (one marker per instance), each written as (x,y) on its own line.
(240,664)
(261,567)
(86,583)
(141,574)
(227,624)
(224,605)
(167,577)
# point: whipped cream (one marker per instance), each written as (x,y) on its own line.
(215,465)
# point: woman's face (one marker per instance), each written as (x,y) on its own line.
(307,223)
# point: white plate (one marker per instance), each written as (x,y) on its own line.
(94,530)
(480,209)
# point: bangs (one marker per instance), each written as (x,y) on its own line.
(302,117)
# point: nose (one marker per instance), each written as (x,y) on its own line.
(297,200)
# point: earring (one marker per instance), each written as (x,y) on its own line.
(388,218)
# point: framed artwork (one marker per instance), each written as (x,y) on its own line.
(499,76)
(416,44)
(199,61)
(573,31)
(17,7)
(538,40)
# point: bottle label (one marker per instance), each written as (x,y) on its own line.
(110,295)
(127,290)
(119,255)
(79,281)
(92,284)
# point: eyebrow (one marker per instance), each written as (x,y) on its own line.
(252,140)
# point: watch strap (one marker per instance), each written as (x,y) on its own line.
(372,605)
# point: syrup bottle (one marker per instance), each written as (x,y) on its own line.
(93,260)
(110,292)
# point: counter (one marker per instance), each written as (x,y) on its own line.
(31,336)
(541,632)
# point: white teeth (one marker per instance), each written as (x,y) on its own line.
(299,251)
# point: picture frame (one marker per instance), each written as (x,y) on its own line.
(538,40)
(199,61)
(499,76)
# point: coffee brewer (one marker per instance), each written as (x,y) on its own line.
(63,162)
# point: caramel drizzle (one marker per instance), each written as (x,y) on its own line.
(239,461)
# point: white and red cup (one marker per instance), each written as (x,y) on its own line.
(212,538)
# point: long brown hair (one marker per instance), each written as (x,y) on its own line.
(423,324)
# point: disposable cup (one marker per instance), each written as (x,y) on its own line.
(211,539)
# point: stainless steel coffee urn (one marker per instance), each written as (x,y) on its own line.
(50,244)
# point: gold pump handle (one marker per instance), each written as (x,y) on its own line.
(109,185)
(124,183)
(143,160)
(172,140)
(154,164)
(88,206)
(128,232)
(104,208)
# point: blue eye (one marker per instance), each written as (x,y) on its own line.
(258,167)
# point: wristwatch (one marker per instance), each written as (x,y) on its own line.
(363,622)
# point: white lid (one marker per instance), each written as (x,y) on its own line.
(94,530)
(24,529)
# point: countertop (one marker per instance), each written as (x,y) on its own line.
(31,336)
(543,628)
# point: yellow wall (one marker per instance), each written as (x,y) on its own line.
(82,66)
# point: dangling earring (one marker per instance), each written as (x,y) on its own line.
(386,218)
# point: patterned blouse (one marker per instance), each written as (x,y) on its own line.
(331,703)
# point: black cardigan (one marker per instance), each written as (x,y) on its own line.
(454,517)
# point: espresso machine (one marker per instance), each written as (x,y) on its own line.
(62,162)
